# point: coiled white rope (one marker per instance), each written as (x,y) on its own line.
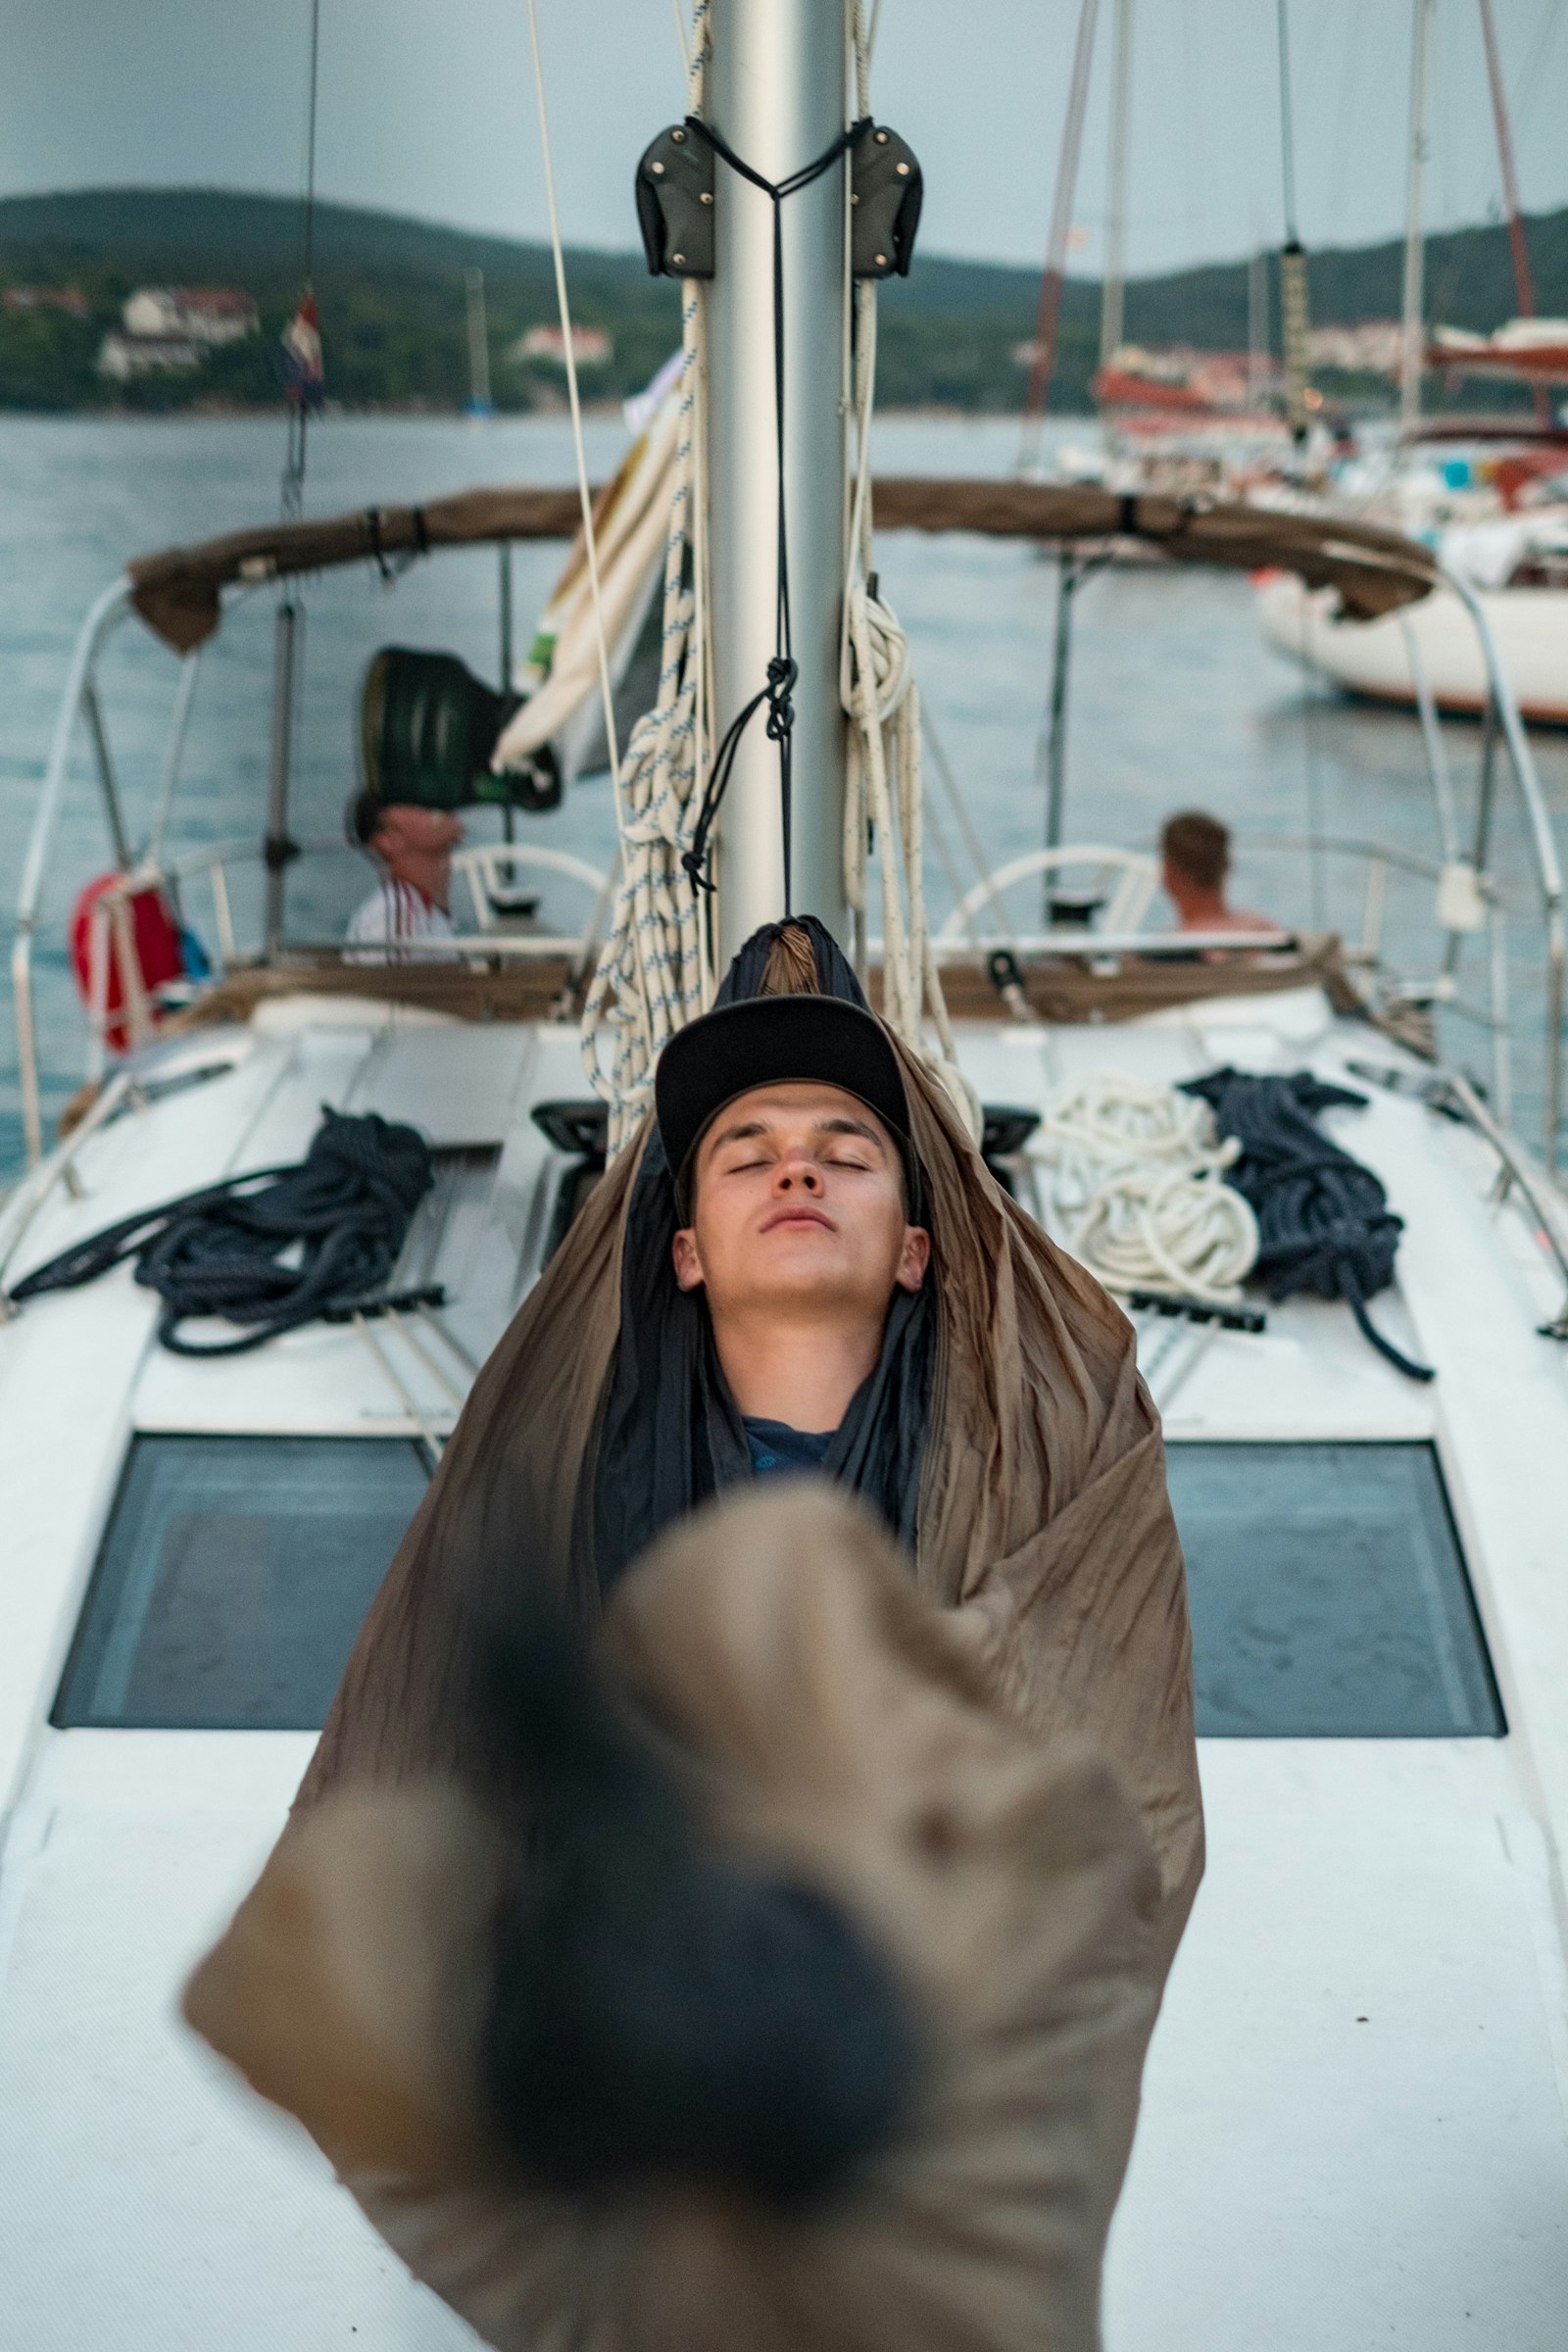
(1137,1182)
(883,787)
(653,973)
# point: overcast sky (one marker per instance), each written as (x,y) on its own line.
(426,106)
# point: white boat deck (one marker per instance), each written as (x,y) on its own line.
(1354,2129)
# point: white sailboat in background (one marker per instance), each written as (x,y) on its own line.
(1493,503)
(1354,2121)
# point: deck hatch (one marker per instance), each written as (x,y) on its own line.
(233,1577)
(1329,1595)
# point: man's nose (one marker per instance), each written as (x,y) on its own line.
(796,1172)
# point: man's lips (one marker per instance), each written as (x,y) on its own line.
(800,1215)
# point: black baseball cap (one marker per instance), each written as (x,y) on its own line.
(767,1041)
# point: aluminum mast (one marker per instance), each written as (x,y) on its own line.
(778,91)
(1414,352)
(1113,291)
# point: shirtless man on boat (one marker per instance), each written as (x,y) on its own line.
(1194,851)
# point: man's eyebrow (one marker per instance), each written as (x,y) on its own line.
(842,1124)
(742,1133)
(746,1131)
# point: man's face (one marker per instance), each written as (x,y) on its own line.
(798,1205)
(408,832)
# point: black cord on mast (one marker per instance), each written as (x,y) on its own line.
(782,670)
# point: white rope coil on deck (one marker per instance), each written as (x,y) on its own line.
(653,975)
(1137,1182)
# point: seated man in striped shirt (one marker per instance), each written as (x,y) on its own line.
(412,903)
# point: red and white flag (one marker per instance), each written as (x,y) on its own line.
(304,376)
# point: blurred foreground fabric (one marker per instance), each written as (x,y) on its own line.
(830,1721)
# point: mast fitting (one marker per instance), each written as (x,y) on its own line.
(676,204)
(886,190)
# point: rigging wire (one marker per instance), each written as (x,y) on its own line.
(651,973)
(1518,243)
(1287,128)
(299,410)
(884,788)
(1351,81)
(1048,321)
(1532,79)
(579,452)
(1112,296)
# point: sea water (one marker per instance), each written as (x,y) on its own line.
(1174,700)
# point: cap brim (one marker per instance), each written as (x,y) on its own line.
(774,1041)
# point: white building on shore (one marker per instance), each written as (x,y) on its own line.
(202,315)
(122,357)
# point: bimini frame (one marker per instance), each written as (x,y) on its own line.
(182,593)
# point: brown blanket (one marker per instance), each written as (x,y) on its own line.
(831,1723)
(1044,1516)
(1016,1687)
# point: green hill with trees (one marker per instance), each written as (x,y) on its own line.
(391,297)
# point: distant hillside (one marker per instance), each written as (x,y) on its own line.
(391,297)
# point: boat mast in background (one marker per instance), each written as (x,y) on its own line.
(778,92)
(1293,257)
(1414,343)
(1044,358)
(1524,290)
(1258,342)
(1113,291)
(301,350)
(479,402)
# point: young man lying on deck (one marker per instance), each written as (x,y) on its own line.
(802,1262)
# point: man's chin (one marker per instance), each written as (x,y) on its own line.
(793,1280)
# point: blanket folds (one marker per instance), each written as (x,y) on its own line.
(978,1737)
(834,1725)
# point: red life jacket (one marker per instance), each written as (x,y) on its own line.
(154,942)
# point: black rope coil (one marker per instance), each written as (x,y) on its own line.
(274,1248)
(1324,1223)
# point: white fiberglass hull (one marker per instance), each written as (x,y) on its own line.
(1372,657)
(1353,2124)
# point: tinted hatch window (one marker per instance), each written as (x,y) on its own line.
(1329,1596)
(233,1577)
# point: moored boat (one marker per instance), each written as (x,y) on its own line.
(1436,641)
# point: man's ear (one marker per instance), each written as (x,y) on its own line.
(688,1265)
(913,1257)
